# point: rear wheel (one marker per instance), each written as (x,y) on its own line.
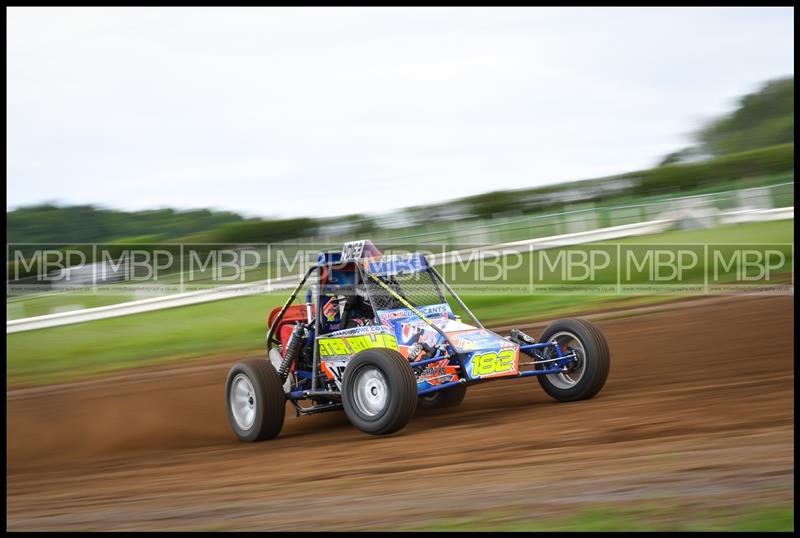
(443,398)
(255,400)
(379,391)
(584,377)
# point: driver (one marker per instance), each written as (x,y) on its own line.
(357,312)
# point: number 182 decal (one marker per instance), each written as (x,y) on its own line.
(493,363)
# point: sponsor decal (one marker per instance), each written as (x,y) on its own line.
(365,329)
(437,373)
(396,264)
(409,333)
(430,311)
(350,345)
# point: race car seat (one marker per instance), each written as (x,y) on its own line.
(293,314)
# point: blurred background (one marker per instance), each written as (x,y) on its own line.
(273,130)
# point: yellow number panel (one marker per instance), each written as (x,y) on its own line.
(494,363)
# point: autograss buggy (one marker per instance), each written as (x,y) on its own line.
(377,337)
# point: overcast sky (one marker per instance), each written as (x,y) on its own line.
(288,112)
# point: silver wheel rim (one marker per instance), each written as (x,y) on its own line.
(371,392)
(567,380)
(243,402)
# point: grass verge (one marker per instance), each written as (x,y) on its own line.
(763,518)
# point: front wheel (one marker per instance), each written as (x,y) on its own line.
(584,377)
(379,391)
(255,400)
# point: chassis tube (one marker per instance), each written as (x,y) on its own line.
(560,355)
(540,345)
(443,386)
(286,305)
(311,395)
(456,297)
(315,409)
(554,370)
(315,359)
(423,362)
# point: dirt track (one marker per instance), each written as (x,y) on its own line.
(698,411)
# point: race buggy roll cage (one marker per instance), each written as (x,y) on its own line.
(330,400)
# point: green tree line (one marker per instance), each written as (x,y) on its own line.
(90,224)
(761,119)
